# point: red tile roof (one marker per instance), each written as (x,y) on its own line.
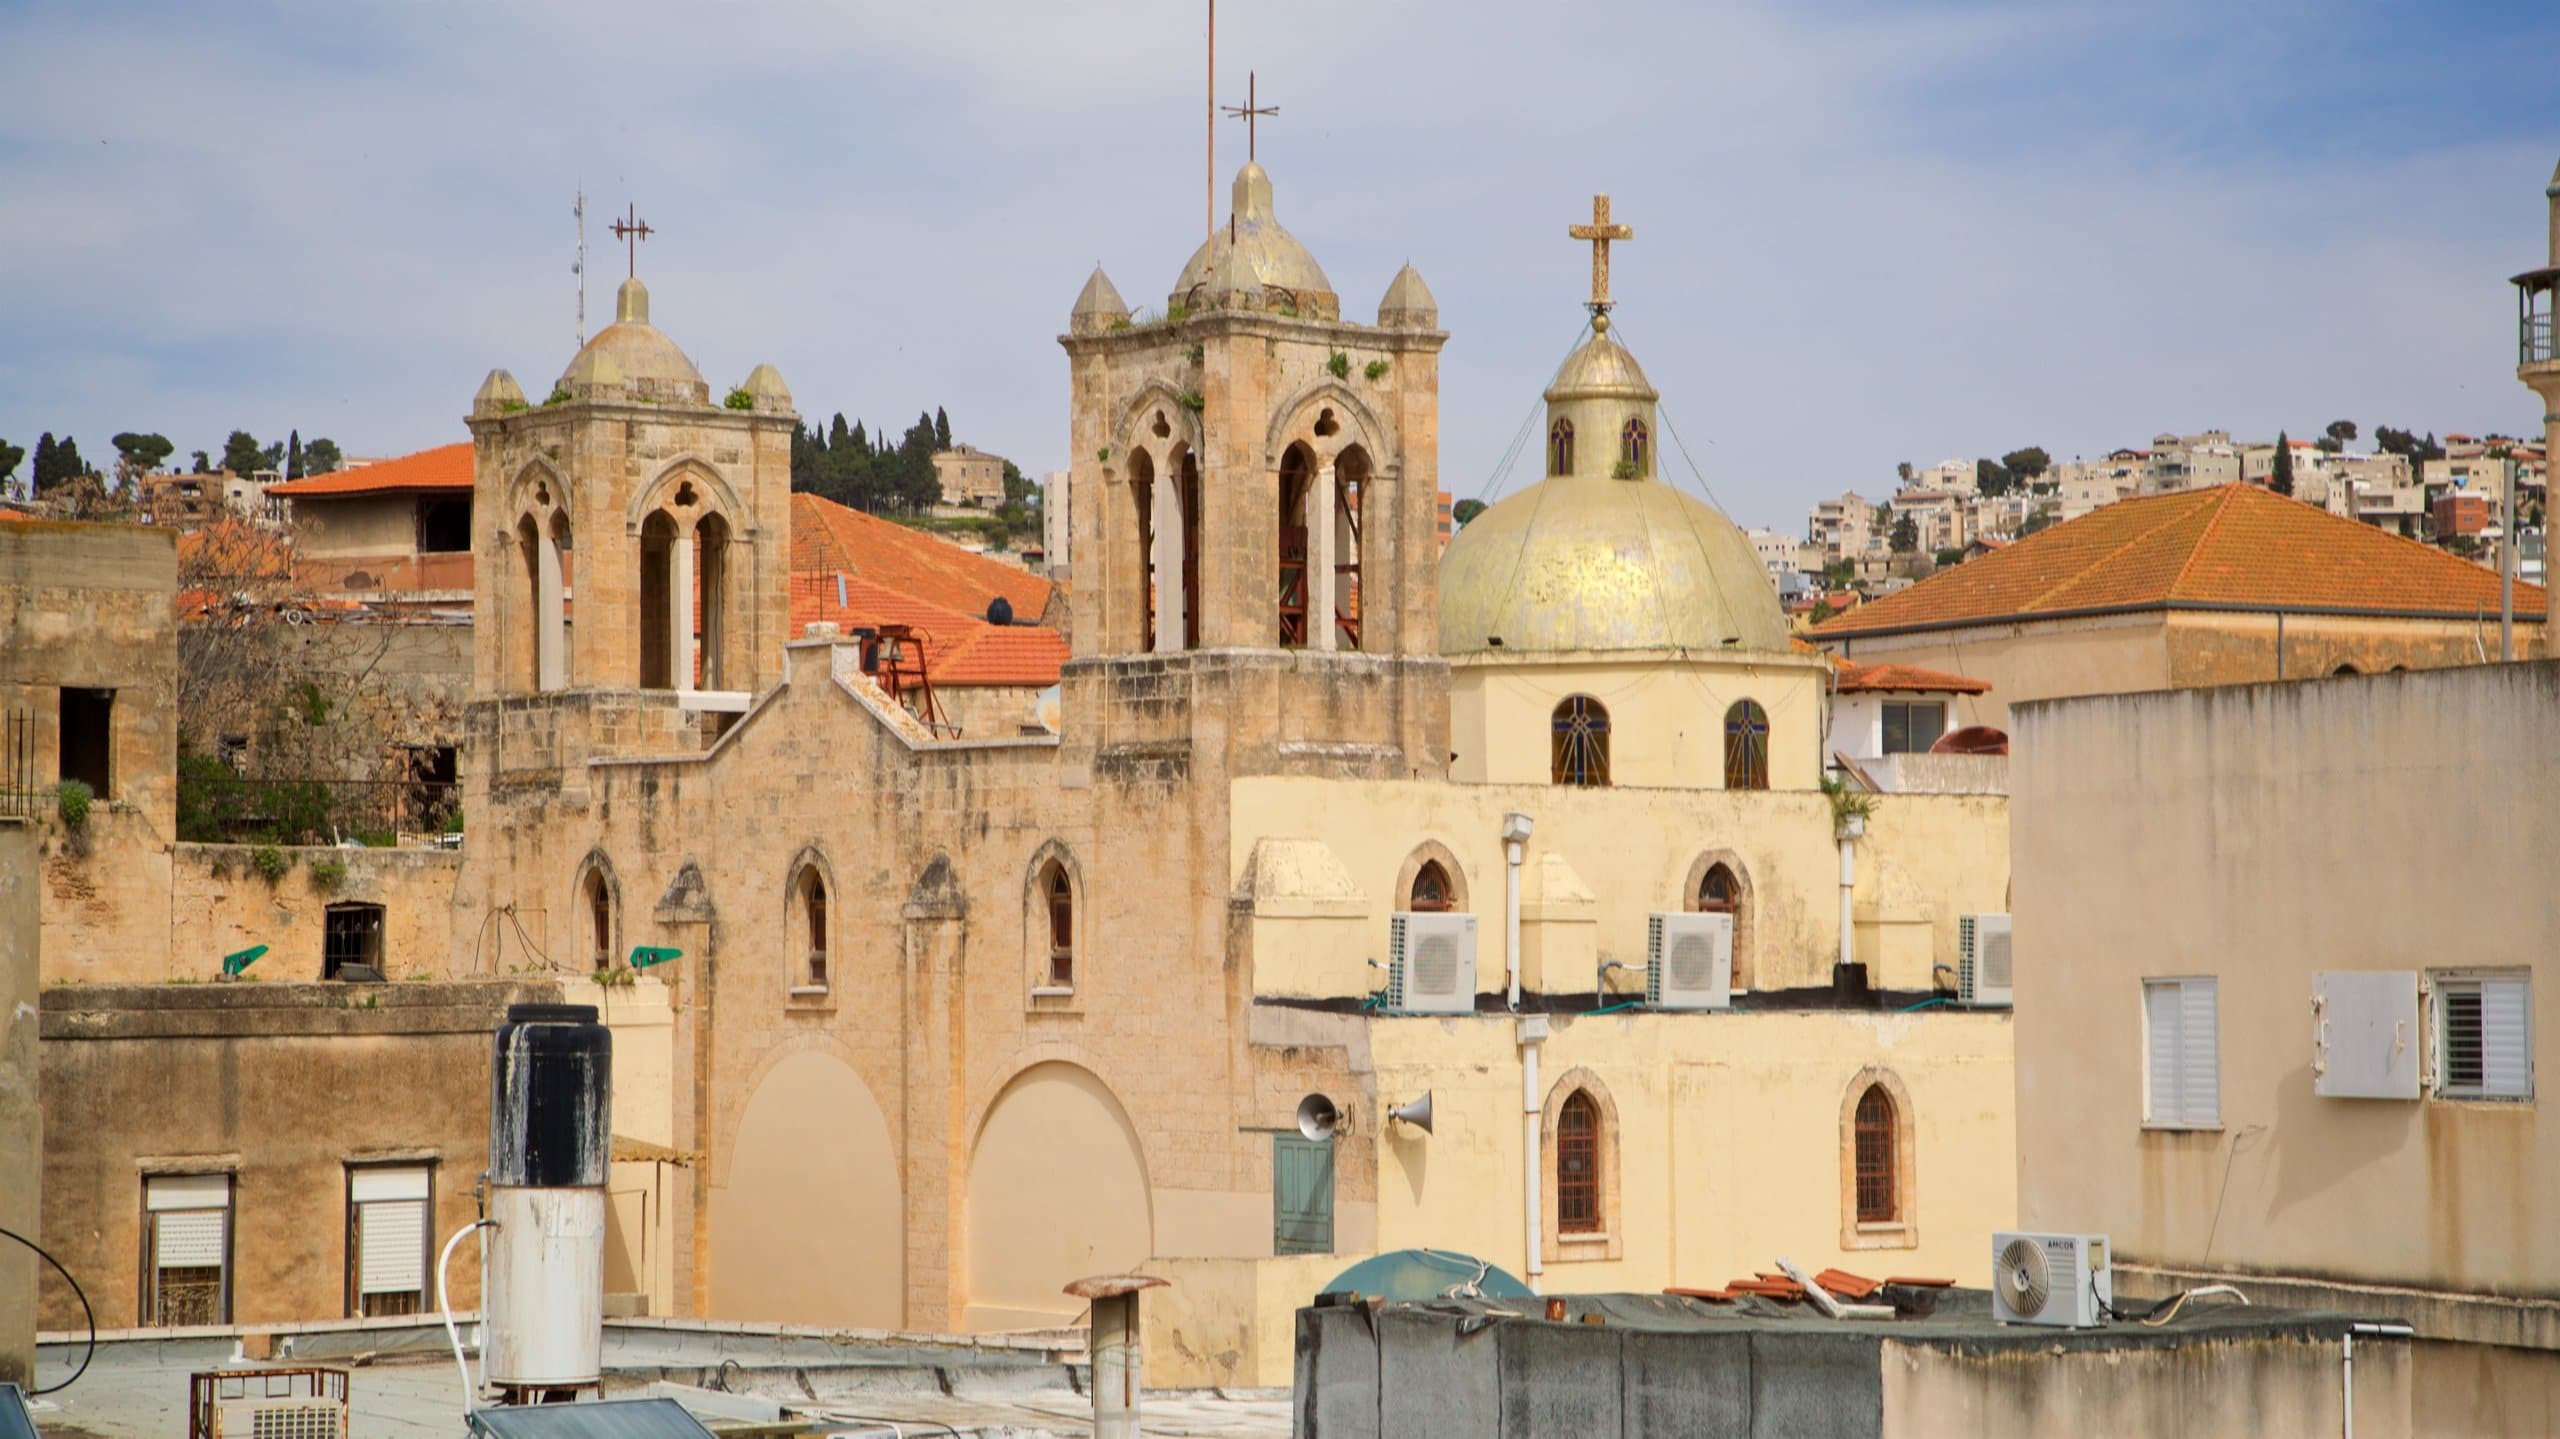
(2227,547)
(1856,678)
(959,649)
(827,538)
(446,468)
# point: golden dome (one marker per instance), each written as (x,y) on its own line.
(1592,563)
(1251,257)
(632,355)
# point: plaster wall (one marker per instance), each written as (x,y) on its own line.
(2107,654)
(2262,834)
(2241,1387)
(21,1108)
(93,606)
(1666,716)
(357,525)
(278,1085)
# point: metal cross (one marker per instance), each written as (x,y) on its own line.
(1600,232)
(631,230)
(1250,113)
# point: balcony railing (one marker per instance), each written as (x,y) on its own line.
(2533,340)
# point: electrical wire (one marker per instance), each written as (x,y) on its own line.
(87,1315)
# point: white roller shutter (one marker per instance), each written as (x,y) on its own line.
(188,1238)
(187,1191)
(2182,1078)
(391,1228)
(381,1181)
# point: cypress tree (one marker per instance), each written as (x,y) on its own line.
(2280,474)
(941,429)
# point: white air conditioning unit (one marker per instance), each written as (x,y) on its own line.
(1982,959)
(2057,1279)
(302,1416)
(1688,961)
(1431,964)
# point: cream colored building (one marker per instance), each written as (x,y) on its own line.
(1059,996)
(971,478)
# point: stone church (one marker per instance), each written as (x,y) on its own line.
(961,1017)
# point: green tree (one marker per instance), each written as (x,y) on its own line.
(42,477)
(1949,559)
(2342,431)
(321,457)
(2028,464)
(204,463)
(293,455)
(240,454)
(1902,472)
(941,429)
(272,457)
(2038,521)
(2280,474)
(141,454)
(10,456)
(1992,478)
(1906,535)
(1465,511)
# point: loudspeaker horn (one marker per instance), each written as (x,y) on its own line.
(1318,1118)
(1417,1114)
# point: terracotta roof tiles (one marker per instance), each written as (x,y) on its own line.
(444,468)
(828,538)
(1856,678)
(2227,547)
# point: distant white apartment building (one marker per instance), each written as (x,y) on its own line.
(1843,528)
(2190,462)
(1956,476)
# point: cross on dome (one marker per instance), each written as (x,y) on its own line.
(1600,232)
(631,230)
(1250,113)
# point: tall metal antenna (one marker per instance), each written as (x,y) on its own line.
(580,268)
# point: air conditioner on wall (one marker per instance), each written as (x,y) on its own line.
(1982,959)
(2058,1279)
(302,1416)
(1688,961)
(1431,964)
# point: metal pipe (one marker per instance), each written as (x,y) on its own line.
(1512,854)
(2347,1368)
(2507,566)
(444,1296)
(1848,887)
(1533,1191)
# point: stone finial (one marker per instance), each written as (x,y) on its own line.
(498,395)
(1098,305)
(1408,304)
(631,303)
(764,385)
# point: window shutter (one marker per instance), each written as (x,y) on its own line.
(364,1186)
(1302,1195)
(394,1257)
(2160,1037)
(2506,1037)
(188,1238)
(2200,1057)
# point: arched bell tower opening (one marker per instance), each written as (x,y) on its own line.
(711,602)
(658,589)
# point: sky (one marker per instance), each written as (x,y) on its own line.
(1866,233)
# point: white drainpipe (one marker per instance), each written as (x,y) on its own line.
(1848,887)
(2347,1367)
(1531,1032)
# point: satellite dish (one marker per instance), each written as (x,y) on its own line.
(1317,1117)
(1417,1114)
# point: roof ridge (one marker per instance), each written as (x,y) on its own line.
(2170,516)
(2221,507)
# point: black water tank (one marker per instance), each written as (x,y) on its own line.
(999,611)
(550,1097)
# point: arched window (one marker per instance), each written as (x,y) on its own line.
(2345,670)
(1878,1172)
(1060,902)
(1560,448)
(1635,448)
(1581,742)
(600,918)
(1142,501)
(1746,746)
(813,926)
(1297,491)
(1431,893)
(1719,892)
(659,593)
(1578,1166)
(710,668)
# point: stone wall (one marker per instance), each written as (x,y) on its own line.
(21,1113)
(92,606)
(280,1086)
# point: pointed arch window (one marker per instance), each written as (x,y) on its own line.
(1635,448)
(1580,753)
(1431,893)
(1878,1173)
(1059,902)
(1746,746)
(1578,1166)
(1560,448)
(599,919)
(813,926)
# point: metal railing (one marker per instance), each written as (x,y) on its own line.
(2533,340)
(18,796)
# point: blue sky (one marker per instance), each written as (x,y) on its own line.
(1865,233)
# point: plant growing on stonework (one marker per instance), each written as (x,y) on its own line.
(270,863)
(739,399)
(1849,807)
(1624,470)
(559,395)
(1103,454)
(1192,401)
(1338,365)
(71,799)
(1375,369)
(1176,314)
(1197,352)
(328,874)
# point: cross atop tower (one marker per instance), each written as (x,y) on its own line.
(1250,113)
(631,230)
(1600,232)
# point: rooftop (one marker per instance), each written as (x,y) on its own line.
(444,469)
(960,649)
(2227,547)
(1856,678)
(827,538)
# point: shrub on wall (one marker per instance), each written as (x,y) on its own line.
(72,798)
(270,862)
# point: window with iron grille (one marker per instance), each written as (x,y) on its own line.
(1746,746)
(1301,1195)
(1062,925)
(186,1249)
(1879,1201)
(1581,752)
(1578,1166)
(2484,1036)
(352,934)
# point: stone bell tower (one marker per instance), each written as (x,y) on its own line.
(1256,523)
(2538,347)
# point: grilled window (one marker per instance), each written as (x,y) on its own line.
(1430,889)
(813,909)
(1879,1201)
(1560,448)
(1581,742)
(186,1249)
(1062,925)
(1746,746)
(1635,448)
(2484,1037)
(351,942)
(1578,1166)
